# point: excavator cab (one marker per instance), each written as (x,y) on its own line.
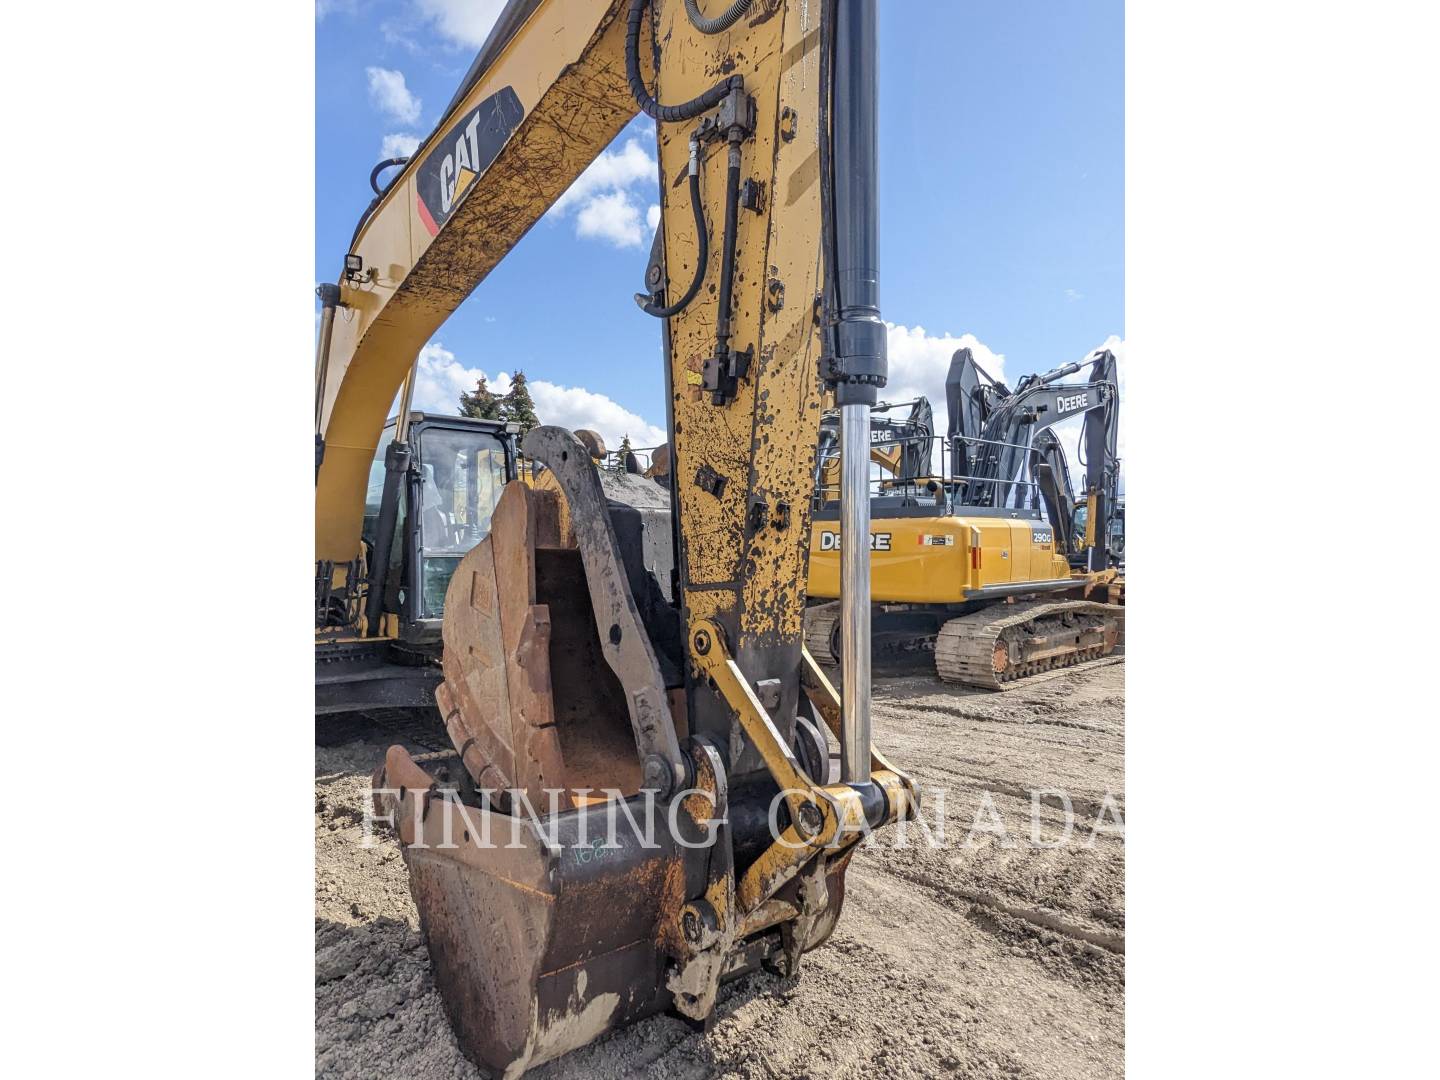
(458,469)
(384,652)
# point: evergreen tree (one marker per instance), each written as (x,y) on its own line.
(517,406)
(483,404)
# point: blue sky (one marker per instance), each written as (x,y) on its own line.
(1001,201)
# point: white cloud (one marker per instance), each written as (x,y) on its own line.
(652,217)
(465,22)
(603,201)
(400,145)
(611,216)
(391,96)
(611,171)
(575,407)
(920,362)
(442,378)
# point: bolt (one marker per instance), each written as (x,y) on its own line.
(702,642)
(809,820)
(656,774)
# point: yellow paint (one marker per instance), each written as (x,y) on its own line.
(907,566)
(763,442)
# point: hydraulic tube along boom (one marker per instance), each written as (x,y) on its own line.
(858,364)
(329,299)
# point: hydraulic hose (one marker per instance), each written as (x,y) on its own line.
(668,114)
(702,251)
(375,173)
(720,23)
(727,256)
(379,192)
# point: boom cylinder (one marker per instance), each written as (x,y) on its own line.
(1056,374)
(329,298)
(397,465)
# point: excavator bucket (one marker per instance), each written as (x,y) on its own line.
(536,950)
(588,869)
(539,950)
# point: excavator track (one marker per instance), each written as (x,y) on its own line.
(820,638)
(999,646)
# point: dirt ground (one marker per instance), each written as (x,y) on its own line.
(987,956)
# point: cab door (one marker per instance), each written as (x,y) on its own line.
(455,483)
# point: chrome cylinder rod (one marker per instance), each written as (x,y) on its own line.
(329,299)
(855,593)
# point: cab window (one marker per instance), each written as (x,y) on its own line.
(461,476)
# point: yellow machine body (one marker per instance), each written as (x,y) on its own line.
(986,590)
(940,560)
(577,676)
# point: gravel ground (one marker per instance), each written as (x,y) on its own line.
(987,956)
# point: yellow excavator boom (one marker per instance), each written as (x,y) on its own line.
(552,98)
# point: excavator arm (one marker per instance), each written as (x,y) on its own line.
(997,435)
(1052,477)
(560,627)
